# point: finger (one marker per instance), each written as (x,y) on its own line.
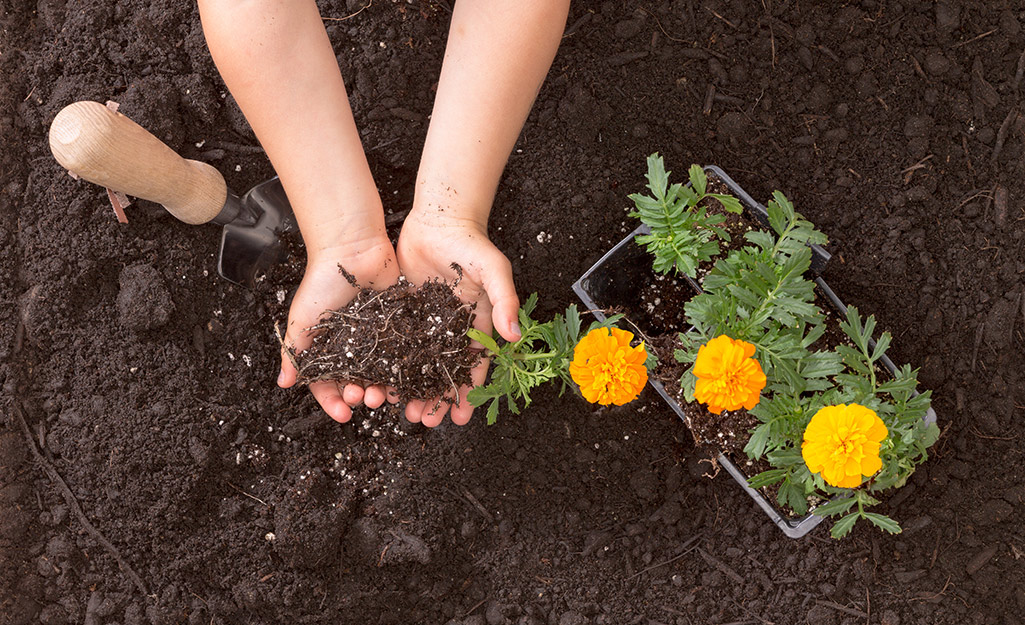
(287,374)
(497,280)
(462,413)
(352,394)
(393,395)
(414,410)
(330,399)
(434,412)
(374,397)
(296,339)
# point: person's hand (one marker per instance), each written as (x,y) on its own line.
(428,246)
(323,288)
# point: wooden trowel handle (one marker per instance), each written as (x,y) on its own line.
(108,149)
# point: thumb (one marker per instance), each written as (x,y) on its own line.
(497,280)
(296,340)
(288,374)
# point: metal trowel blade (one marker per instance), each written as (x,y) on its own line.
(251,243)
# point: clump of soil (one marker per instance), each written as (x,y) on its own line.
(411,339)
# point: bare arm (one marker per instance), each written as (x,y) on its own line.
(276,58)
(497,56)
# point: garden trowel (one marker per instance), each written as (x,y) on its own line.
(104,147)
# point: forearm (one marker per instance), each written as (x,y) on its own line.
(497,56)
(276,59)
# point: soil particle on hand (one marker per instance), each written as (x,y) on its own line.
(412,340)
(143,302)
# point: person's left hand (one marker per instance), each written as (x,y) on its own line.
(428,247)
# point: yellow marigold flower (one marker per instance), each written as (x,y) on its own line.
(728,377)
(842,443)
(607,369)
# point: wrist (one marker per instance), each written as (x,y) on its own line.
(343,228)
(448,207)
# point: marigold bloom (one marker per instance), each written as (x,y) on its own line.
(728,377)
(842,443)
(607,369)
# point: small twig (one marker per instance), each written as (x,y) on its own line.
(709,100)
(465,492)
(477,605)
(998,145)
(973,39)
(983,194)
(934,595)
(395,218)
(729,23)
(455,389)
(685,551)
(235,147)
(978,342)
(972,429)
(911,170)
(253,497)
(348,17)
(668,36)
(72,502)
(1019,73)
(840,608)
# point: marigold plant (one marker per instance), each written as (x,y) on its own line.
(607,369)
(728,376)
(758,298)
(842,443)
(547,351)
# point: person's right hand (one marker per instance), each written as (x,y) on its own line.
(324,288)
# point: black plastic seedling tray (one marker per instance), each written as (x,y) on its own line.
(612,282)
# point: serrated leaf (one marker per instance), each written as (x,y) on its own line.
(657,175)
(478,395)
(777,220)
(883,522)
(844,526)
(492,413)
(793,495)
(930,435)
(835,507)
(766,478)
(698,179)
(881,346)
(489,343)
(756,444)
(729,203)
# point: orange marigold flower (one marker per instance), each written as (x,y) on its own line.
(842,443)
(728,377)
(607,369)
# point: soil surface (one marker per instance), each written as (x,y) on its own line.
(161,477)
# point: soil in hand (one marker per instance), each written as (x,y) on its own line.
(413,340)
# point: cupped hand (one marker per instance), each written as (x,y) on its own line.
(323,287)
(428,247)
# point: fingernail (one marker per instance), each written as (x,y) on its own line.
(281,378)
(514,327)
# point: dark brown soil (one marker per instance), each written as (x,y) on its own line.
(892,125)
(411,340)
